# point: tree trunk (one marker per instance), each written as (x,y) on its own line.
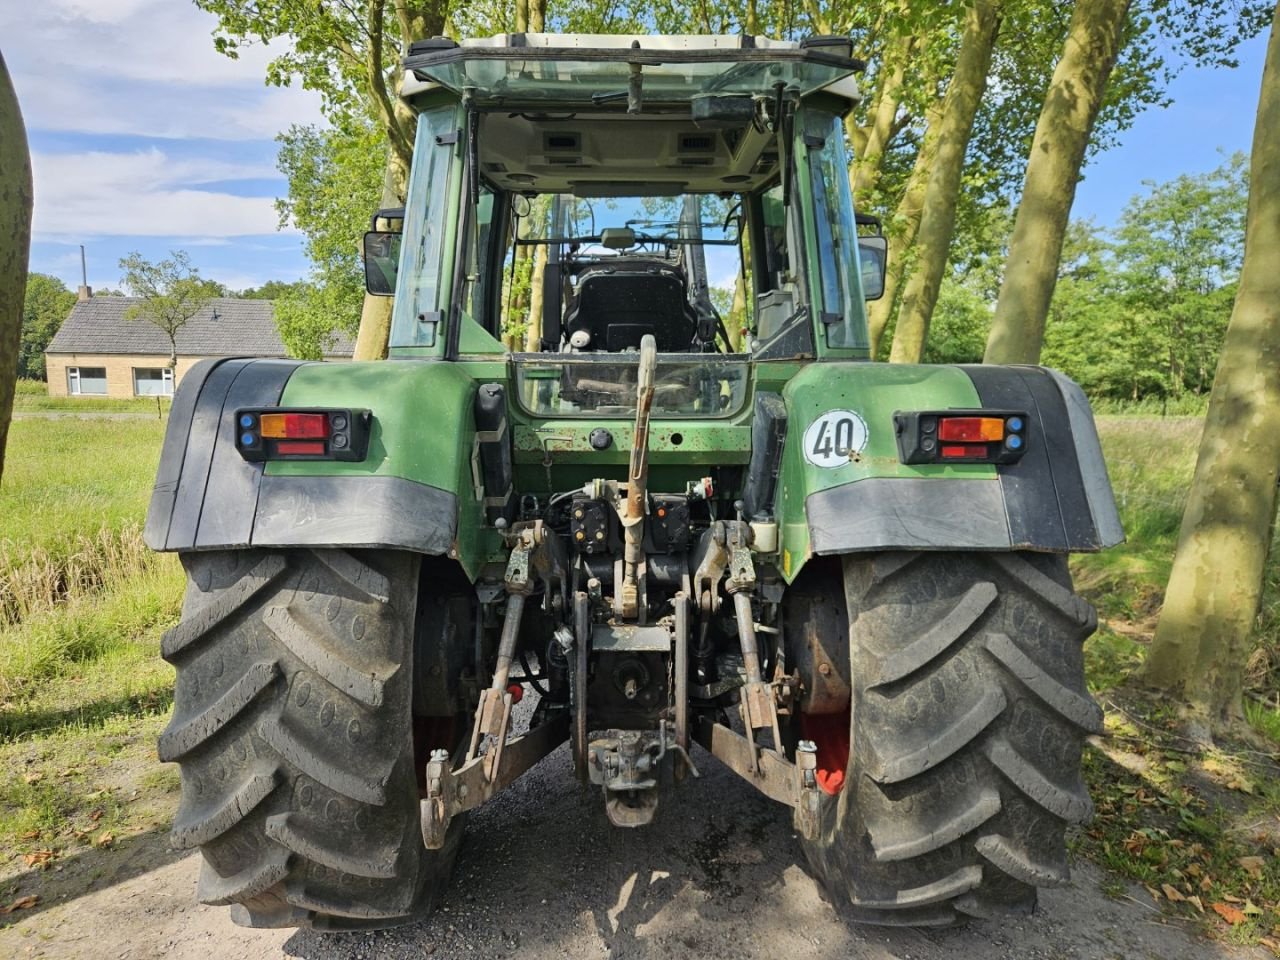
(537,15)
(533,335)
(375,312)
(1211,603)
(15,243)
(874,140)
(738,319)
(416,21)
(902,229)
(937,224)
(1053,170)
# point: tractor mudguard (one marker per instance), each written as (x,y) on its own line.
(208,497)
(1055,498)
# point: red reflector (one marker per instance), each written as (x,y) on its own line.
(295,426)
(970,429)
(964,450)
(300,448)
(516,691)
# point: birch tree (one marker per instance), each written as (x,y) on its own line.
(15,243)
(1215,588)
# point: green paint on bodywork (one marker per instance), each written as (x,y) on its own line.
(874,391)
(423,430)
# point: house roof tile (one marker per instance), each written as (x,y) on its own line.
(224,327)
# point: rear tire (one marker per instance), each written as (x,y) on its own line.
(293,732)
(968,716)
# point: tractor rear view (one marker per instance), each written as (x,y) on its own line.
(675,518)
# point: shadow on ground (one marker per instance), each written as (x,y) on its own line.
(89,871)
(719,874)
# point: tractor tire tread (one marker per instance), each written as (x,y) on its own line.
(969,712)
(292,730)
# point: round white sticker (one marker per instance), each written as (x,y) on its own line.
(834,437)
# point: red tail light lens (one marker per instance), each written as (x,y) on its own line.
(970,429)
(307,434)
(300,448)
(295,426)
(961,436)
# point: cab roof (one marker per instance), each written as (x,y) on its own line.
(585,69)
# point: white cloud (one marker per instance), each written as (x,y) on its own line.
(81,195)
(144,67)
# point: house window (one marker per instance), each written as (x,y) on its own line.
(152,382)
(87,381)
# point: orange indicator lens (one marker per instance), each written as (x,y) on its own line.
(968,429)
(296,426)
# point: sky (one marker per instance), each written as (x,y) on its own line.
(144,138)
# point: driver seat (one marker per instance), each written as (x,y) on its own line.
(618,303)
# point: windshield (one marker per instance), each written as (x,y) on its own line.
(597,274)
(548,387)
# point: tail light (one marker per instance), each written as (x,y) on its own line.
(961,436)
(273,433)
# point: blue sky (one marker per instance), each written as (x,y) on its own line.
(143,138)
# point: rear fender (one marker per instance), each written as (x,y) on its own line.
(404,495)
(1056,498)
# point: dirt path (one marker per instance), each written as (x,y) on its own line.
(543,875)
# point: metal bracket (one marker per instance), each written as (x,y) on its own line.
(451,792)
(770,772)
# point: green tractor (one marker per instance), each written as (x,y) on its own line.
(675,518)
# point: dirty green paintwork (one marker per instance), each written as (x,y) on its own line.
(423,431)
(875,391)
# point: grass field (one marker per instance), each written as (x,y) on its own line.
(83,692)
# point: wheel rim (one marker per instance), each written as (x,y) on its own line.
(830,734)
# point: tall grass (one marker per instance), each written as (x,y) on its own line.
(1187,405)
(33,396)
(1151,461)
(80,594)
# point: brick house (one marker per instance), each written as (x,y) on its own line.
(97,352)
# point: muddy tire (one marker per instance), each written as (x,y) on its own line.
(292,729)
(961,768)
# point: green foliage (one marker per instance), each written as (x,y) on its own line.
(335,179)
(45,305)
(961,319)
(310,318)
(271,290)
(171,291)
(1141,311)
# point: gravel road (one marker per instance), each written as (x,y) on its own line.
(542,876)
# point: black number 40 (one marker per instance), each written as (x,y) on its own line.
(834,440)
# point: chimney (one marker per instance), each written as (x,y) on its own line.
(85,292)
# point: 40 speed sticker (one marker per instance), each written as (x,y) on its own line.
(834,437)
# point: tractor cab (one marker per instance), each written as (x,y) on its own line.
(577,193)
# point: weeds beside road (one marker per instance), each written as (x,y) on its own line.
(83,692)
